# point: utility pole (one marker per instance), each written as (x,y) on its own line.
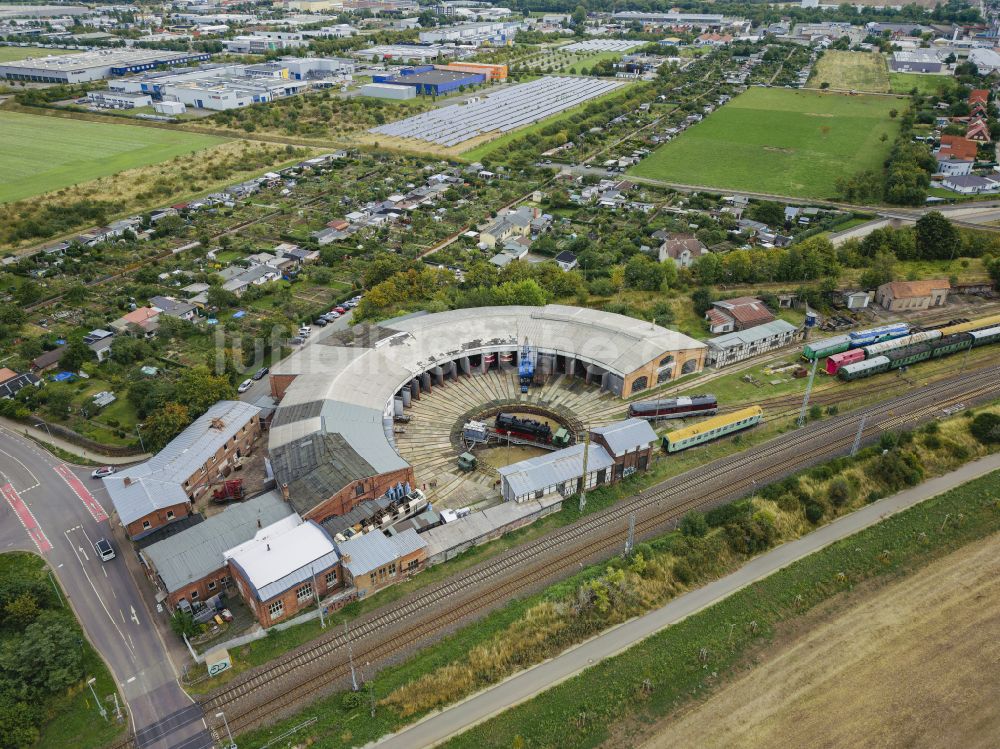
(371,689)
(809,387)
(322,621)
(583,481)
(857,437)
(630,538)
(350,658)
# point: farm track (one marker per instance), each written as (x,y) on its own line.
(278,688)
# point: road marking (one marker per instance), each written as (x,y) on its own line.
(134,617)
(27,518)
(94,588)
(28,470)
(73,481)
(130,680)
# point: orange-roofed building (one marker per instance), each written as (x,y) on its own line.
(958,147)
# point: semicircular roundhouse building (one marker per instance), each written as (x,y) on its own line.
(331,439)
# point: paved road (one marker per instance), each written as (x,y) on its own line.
(58,511)
(440,726)
(262,388)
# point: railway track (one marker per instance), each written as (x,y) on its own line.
(276,689)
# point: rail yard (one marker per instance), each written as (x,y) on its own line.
(389,633)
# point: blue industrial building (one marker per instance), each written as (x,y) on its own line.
(430,80)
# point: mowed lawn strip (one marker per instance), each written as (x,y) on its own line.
(925,83)
(40,154)
(852,71)
(794,143)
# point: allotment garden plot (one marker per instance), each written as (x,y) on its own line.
(506,110)
(780,141)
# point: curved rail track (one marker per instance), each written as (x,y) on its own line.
(277,688)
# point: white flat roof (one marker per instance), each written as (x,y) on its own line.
(280,549)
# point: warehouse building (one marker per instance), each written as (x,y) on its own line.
(615,452)
(93,66)
(915,61)
(116,100)
(492,72)
(742,344)
(432,81)
(389,91)
(160,491)
(262,42)
(478,33)
(404,53)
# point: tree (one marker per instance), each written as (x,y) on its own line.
(198,389)
(76,354)
(769,212)
(18,721)
(221,298)
(48,656)
(937,238)
(183,623)
(701,299)
(643,273)
(163,425)
(22,611)
(579,18)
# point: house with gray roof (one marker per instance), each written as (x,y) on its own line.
(161,490)
(742,344)
(373,560)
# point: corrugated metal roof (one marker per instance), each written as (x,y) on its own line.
(199,550)
(535,474)
(157,483)
(626,436)
(751,335)
(369,551)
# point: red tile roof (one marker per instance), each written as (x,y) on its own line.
(979,95)
(959,147)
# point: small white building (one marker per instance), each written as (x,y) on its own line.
(115,100)
(742,344)
(388,91)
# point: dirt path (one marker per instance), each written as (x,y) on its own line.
(913,664)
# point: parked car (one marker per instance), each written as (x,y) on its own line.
(104,549)
(244,386)
(332,314)
(261,373)
(297,340)
(321,321)
(340,310)
(305,330)
(100,473)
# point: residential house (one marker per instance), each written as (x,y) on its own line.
(971,184)
(901,296)
(950,166)
(99,341)
(958,147)
(742,344)
(48,360)
(978,131)
(257,275)
(566,260)
(11,382)
(511,224)
(161,490)
(740,313)
(682,249)
(141,319)
(172,307)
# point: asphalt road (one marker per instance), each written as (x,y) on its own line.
(58,511)
(262,388)
(462,716)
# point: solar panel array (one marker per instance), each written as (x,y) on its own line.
(502,111)
(602,45)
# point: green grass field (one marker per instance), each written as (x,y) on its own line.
(903,83)
(781,141)
(852,71)
(7,54)
(40,153)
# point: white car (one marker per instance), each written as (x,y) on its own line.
(244,386)
(100,473)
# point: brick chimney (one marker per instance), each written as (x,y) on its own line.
(284,492)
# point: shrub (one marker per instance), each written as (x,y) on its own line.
(839,492)
(814,512)
(682,571)
(986,428)
(694,524)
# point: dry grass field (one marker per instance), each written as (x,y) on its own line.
(852,71)
(909,664)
